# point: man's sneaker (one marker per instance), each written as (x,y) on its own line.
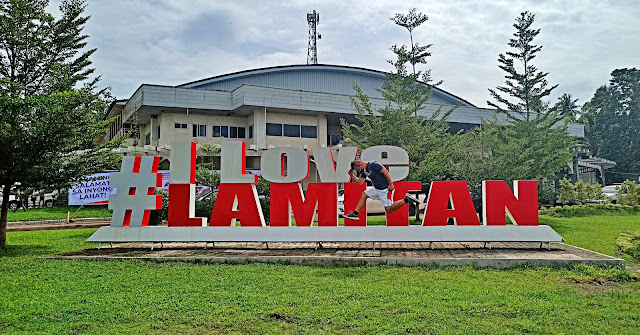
(409,198)
(352,215)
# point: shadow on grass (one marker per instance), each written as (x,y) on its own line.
(22,250)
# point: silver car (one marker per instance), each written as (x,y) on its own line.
(610,192)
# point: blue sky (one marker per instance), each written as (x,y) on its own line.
(169,42)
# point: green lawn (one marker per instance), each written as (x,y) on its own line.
(597,233)
(42,295)
(55,213)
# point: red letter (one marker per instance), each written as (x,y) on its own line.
(287,197)
(462,210)
(182,189)
(521,205)
(352,194)
(401,216)
(237,201)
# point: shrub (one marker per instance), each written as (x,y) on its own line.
(629,244)
(567,191)
(580,193)
(628,193)
(589,210)
(157,216)
(266,207)
(204,207)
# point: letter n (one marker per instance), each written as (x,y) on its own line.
(287,198)
(521,205)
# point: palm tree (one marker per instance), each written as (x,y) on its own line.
(568,106)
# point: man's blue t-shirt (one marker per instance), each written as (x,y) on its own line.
(374,172)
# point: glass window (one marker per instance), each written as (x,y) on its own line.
(274,129)
(309,131)
(216,131)
(184,126)
(251,131)
(224,131)
(233,132)
(147,139)
(241,132)
(180,125)
(335,139)
(291,130)
(199,130)
(177,126)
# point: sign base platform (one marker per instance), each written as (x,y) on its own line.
(509,233)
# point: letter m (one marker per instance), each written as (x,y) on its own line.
(287,198)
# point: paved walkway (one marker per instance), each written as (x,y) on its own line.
(501,255)
(43,225)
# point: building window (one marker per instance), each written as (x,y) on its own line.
(147,139)
(242,132)
(233,132)
(158,128)
(180,125)
(251,131)
(309,131)
(274,129)
(334,139)
(224,131)
(199,130)
(292,130)
(216,131)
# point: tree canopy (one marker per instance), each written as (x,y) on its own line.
(50,107)
(612,120)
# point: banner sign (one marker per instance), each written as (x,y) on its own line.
(95,189)
(286,168)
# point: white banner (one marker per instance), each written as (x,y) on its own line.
(95,189)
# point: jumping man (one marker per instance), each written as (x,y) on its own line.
(382,187)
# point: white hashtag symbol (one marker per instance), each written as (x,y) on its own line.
(134,198)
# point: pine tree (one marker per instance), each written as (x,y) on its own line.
(524,83)
(50,108)
(416,53)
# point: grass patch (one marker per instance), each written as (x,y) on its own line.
(43,295)
(58,213)
(597,233)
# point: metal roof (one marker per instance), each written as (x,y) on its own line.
(324,78)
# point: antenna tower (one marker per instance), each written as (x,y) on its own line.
(313,18)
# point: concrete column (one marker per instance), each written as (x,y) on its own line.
(322,130)
(151,126)
(260,128)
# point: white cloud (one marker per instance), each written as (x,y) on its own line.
(171,42)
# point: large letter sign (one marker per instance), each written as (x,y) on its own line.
(315,211)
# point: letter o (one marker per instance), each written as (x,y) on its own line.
(272,165)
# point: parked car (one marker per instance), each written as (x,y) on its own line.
(375,206)
(611,192)
(14,203)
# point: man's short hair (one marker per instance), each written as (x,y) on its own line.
(353,164)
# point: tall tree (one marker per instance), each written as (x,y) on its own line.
(426,139)
(612,120)
(415,53)
(50,108)
(534,142)
(524,82)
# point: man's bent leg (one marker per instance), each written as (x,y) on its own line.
(395,206)
(362,202)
